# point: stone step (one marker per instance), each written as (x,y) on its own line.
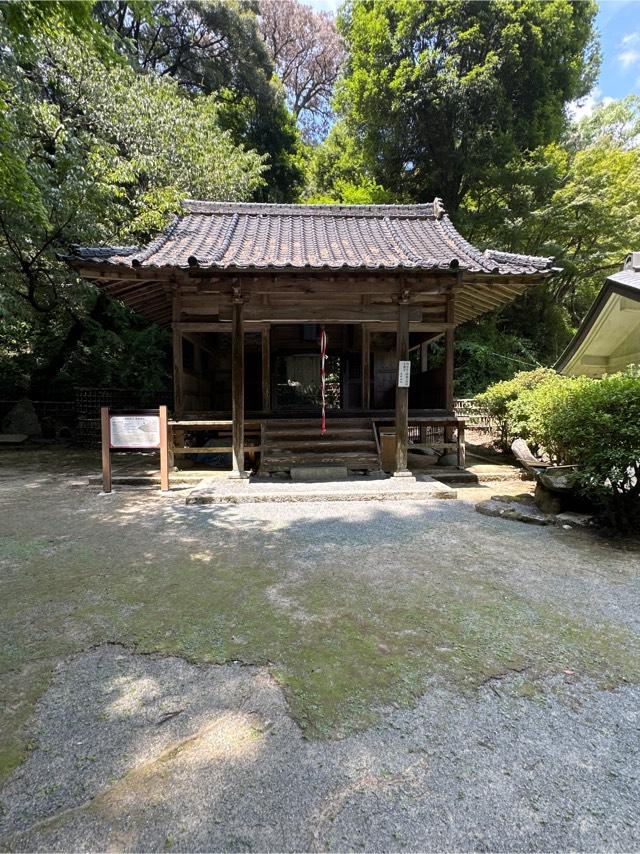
(318,474)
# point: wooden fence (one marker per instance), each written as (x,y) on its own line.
(475,414)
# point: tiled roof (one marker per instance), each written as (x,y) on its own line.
(239,236)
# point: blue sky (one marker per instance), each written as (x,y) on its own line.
(619,25)
(618,22)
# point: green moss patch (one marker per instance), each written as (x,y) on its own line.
(340,641)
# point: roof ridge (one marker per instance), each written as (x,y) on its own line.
(422,211)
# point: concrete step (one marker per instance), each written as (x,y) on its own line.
(318,474)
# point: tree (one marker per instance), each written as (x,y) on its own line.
(92,153)
(436,92)
(29,18)
(337,172)
(307,52)
(216,48)
(578,201)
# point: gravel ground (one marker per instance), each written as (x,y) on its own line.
(156,754)
(411,676)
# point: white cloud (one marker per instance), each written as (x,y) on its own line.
(582,108)
(628,58)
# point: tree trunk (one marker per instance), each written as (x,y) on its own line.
(43,376)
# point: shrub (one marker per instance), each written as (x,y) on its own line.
(531,415)
(592,423)
(597,426)
(498,396)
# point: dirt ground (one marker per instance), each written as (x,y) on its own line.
(404,676)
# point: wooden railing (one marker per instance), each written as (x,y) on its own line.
(177,429)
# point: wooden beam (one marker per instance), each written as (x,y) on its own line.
(300,284)
(402,394)
(366,366)
(324,314)
(266,369)
(438,327)
(237,387)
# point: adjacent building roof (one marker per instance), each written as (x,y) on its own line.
(608,339)
(247,236)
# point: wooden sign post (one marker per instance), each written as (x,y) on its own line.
(134,431)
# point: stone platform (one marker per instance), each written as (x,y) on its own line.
(257,489)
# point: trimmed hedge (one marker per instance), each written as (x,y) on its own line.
(593,423)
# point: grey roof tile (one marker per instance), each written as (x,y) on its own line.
(230,235)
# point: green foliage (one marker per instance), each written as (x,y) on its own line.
(597,427)
(529,414)
(27,19)
(215,48)
(92,152)
(337,172)
(499,395)
(578,201)
(591,423)
(437,92)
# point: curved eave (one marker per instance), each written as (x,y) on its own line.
(150,295)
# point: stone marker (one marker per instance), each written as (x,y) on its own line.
(22,418)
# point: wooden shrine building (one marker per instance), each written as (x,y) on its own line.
(247,287)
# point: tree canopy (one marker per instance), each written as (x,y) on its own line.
(112,112)
(307,52)
(92,152)
(215,47)
(436,91)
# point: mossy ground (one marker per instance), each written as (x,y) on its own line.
(350,610)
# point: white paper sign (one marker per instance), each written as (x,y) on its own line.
(135,431)
(404,374)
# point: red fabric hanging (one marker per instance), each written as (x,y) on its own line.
(323,356)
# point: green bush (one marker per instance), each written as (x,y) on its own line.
(531,414)
(499,395)
(597,426)
(592,423)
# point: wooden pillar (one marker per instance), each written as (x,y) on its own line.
(178,385)
(402,394)
(424,356)
(266,368)
(164,449)
(449,354)
(237,385)
(366,367)
(105,426)
(461,445)
(424,366)
(449,351)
